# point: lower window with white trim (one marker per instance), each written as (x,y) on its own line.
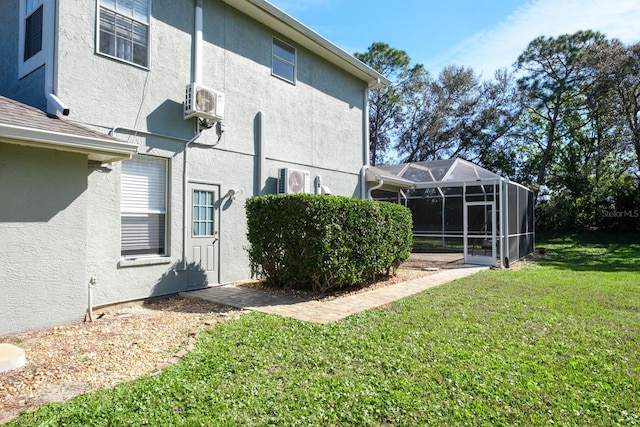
(143,207)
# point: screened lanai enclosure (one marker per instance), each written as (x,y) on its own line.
(458,206)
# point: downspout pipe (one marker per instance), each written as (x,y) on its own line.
(365,138)
(197,78)
(365,123)
(197,61)
(185,198)
(260,119)
(55,104)
(363,181)
(89,314)
(375,187)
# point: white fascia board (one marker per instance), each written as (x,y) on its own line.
(398,182)
(102,150)
(278,20)
(422,185)
(394,180)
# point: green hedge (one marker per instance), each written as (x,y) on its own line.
(324,242)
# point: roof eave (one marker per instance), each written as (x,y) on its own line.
(266,13)
(97,149)
(389,180)
(397,183)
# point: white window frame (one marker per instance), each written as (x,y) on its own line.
(137,209)
(146,22)
(39,59)
(278,59)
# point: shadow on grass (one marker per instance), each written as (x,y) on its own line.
(592,252)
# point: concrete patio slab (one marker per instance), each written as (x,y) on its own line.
(325,311)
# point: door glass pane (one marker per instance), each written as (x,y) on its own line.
(479,231)
(203,213)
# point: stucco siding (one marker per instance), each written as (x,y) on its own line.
(316,124)
(43,234)
(317,121)
(233,172)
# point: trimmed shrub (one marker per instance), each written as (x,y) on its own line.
(324,242)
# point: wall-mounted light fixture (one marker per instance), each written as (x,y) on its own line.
(231,195)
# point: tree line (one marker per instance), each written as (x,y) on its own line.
(564,120)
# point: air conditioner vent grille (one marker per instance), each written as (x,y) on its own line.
(293,181)
(203,102)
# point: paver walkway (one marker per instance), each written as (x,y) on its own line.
(325,311)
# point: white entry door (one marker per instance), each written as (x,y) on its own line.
(480,233)
(203,244)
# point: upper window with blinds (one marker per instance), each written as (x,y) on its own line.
(143,206)
(33,21)
(124,30)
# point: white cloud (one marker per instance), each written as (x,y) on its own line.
(500,46)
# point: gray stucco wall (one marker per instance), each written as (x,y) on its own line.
(43,234)
(316,125)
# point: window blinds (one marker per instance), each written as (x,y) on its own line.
(143,206)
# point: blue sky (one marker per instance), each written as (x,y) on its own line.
(482,34)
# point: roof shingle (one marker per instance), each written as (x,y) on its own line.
(17,114)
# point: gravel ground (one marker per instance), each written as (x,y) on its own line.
(131,341)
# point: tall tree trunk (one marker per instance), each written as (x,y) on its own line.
(551,136)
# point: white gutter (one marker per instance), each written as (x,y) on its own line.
(383,178)
(55,104)
(104,150)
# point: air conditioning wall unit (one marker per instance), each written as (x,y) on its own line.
(293,181)
(204,103)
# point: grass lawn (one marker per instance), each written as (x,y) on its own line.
(554,342)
